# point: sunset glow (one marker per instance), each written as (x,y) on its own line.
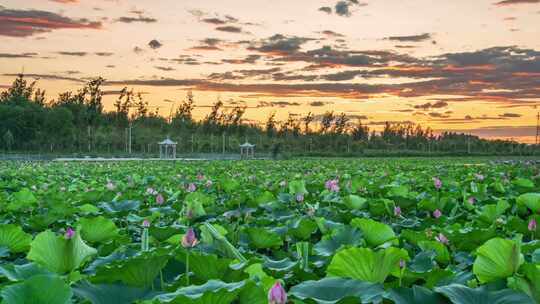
(467,66)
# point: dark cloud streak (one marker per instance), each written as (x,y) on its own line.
(24,23)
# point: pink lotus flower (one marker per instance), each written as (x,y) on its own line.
(437,213)
(441,238)
(200,176)
(151,191)
(160,199)
(479,177)
(146,223)
(332,185)
(189,240)
(189,213)
(532,225)
(191,187)
(69,233)
(110,186)
(276,294)
(471,200)
(397,211)
(402,263)
(299,198)
(437,182)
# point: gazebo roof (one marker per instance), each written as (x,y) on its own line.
(247,145)
(167,141)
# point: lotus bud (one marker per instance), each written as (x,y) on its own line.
(397,211)
(69,233)
(276,294)
(189,240)
(441,238)
(532,225)
(146,223)
(437,182)
(191,187)
(160,199)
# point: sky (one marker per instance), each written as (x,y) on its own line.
(460,65)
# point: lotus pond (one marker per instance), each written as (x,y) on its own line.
(257,232)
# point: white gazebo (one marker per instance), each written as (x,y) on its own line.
(167,149)
(247,150)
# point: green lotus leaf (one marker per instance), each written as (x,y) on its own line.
(120,207)
(257,274)
(15,272)
(58,254)
(163,233)
(355,202)
(303,228)
(343,236)
(530,283)
(365,264)
(229,184)
(138,271)
(111,293)
(206,235)
(206,266)
(262,238)
(531,200)
(460,294)
(412,236)
(497,259)
(198,196)
(523,183)
(491,212)
(414,295)
(423,261)
(265,197)
(297,187)
(195,201)
(88,208)
(375,233)
(333,290)
(398,191)
(279,265)
(48,289)
(442,254)
(14,238)
(21,200)
(212,292)
(253,294)
(471,237)
(98,229)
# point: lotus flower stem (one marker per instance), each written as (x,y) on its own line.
(216,235)
(144,240)
(187,267)
(144,236)
(302,248)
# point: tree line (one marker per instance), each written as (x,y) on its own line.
(76,122)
